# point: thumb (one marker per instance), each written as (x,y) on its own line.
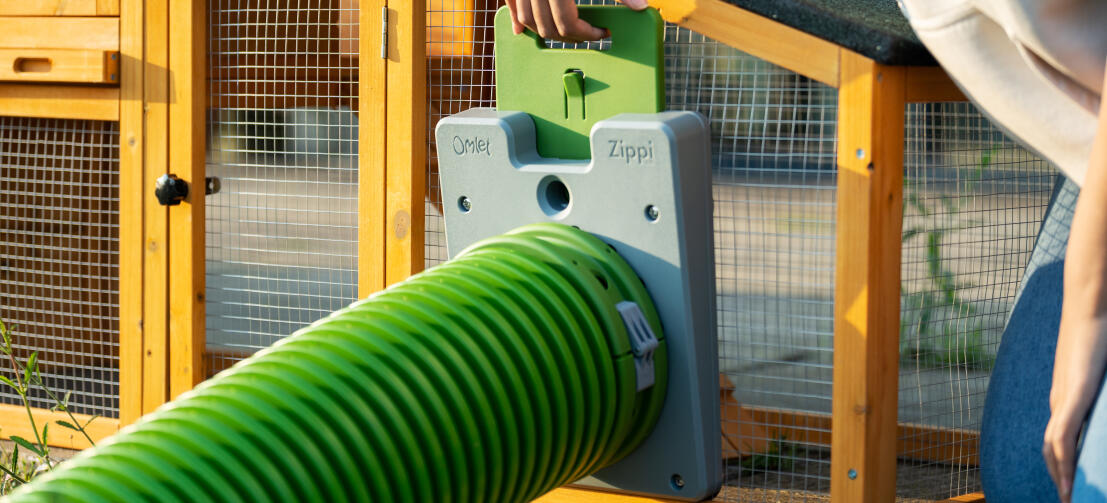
(635,4)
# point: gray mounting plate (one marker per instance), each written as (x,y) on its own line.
(494,181)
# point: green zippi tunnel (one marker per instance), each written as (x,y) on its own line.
(498,376)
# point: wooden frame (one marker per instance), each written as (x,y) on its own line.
(60,8)
(187,39)
(155,160)
(131,216)
(60,65)
(405,148)
(867,268)
(372,169)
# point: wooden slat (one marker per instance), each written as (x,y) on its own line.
(59,65)
(131,215)
(371,153)
(60,33)
(867,275)
(48,8)
(155,388)
(107,7)
(15,421)
(930,84)
(406,140)
(757,35)
(967,498)
(577,495)
(187,121)
(53,101)
(913,441)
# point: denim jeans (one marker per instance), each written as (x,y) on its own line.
(1017,406)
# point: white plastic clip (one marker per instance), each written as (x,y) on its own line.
(643,342)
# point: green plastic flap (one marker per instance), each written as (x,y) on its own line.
(566,91)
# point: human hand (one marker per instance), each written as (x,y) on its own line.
(1059,447)
(1080,358)
(558,19)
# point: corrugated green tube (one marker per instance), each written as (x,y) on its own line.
(495,377)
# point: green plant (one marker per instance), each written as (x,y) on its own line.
(943,328)
(19,471)
(779,457)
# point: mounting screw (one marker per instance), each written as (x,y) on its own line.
(860,153)
(852,474)
(112,77)
(677,481)
(652,213)
(465,204)
(212,185)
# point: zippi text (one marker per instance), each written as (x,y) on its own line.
(631,153)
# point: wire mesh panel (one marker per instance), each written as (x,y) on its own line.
(282,232)
(773,146)
(59,256)
(460,76)
(973,204)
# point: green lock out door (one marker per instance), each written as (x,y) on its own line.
(566,91)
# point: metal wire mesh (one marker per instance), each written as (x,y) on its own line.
(973,204)
(460,76)
(774,171)
(59,256)
(282,232)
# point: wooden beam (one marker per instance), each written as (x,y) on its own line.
(54,101)
(131,214)
(372,131)
(60,33)
(759,36)
(59,65)
(186,156)
(867,280)
(406,143)
(155,367)
(48,8)
(931,84)
(15,421)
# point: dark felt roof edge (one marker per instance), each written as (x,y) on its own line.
(878,33)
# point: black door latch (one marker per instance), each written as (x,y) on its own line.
(170,190)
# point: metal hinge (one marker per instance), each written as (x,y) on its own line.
(384,32)
(643,342)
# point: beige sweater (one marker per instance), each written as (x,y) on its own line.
(1035,67)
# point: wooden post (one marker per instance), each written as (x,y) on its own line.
(371,149)
(867,280)
(186,158)
(131,221)
(155,319)
(406,142)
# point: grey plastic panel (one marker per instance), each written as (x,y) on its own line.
(494,181)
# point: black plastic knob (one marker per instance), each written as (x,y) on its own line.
(170,190)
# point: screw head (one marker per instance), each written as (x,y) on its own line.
(677,481)
(852,474)
(652,213)
(465,204)
(860,153)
